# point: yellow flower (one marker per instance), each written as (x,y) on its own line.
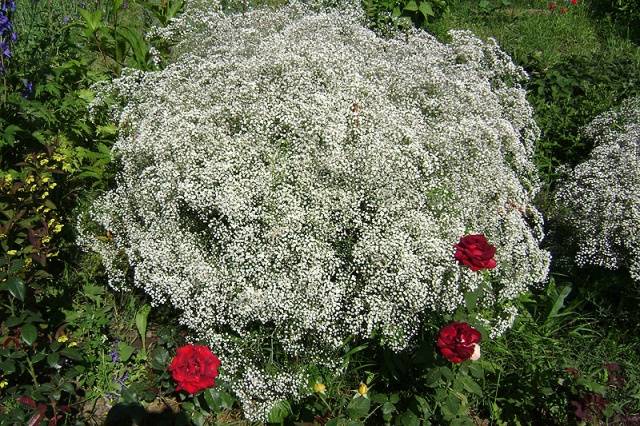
(320,388)
(52,185)
(29,179)
(12,252)
(46,179)
(363,389)
(58,228)
(44,162)
(63,338)
(72,344)
(45,194)
(4,384)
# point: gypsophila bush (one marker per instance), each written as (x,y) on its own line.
(292,180)
(601,197)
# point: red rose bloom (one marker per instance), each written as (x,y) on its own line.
(475,252)
(458,341)
(194,368)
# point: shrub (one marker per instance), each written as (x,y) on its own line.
(600,197)
(287,191)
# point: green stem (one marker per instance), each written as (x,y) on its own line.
(32,372)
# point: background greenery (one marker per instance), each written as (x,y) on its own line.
(72,351)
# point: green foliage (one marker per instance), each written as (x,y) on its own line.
(387,14)
(64,339)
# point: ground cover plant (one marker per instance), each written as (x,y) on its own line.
(75,350)
(317,193)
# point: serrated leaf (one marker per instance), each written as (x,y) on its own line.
(160,358)
(471,386)
(279,412)
(388,408)
(407,419)
(359,407)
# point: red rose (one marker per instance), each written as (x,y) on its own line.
(194,368)
(475,252)
(574,2)
(458,342)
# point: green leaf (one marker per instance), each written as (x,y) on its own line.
(559,302)
(160,358)
(388,408)
(452,405)
(198,418)
(279,412)
(13,321)
(9,135)
(138,46)
(7,366)
(407,419)
(432,378)
(17,288)
(71,353)
(212,397)
(28,333)
(53,360)
(470,385)
(93,21)
(359,407)
(226,400)
(141,324)
(38,357)
(426,9)
(125,351)
(412,6)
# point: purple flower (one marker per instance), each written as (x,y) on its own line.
(66,19)
(10,6)
(5,23)
(115,356)
(4,48)
(123,379)
(28,88)
(14,36)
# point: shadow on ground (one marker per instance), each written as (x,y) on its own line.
(136,415)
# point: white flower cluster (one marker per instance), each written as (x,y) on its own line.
(292,180)
(602,195)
